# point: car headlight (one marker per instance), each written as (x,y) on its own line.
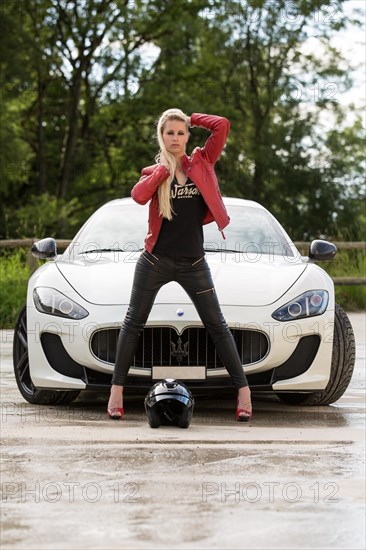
(309,304)
(51,301)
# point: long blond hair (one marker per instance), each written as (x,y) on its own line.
(165,207)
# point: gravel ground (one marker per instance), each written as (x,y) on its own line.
(73,479)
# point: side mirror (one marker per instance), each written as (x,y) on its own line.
(45,248)
(322,250)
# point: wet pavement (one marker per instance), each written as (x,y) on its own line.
(294,478)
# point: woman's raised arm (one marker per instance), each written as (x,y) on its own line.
(219,126)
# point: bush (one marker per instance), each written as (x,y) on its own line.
(348,263)
(14,275)
(42,216)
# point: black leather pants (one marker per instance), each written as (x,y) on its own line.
(151,273)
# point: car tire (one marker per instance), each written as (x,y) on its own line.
(22,372)
(343,362)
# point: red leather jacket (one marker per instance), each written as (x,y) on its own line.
(199,167)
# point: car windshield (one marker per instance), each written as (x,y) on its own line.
(124,226)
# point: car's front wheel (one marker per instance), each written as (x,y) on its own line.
(343,362)
(22,371)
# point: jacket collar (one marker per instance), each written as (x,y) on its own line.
(185,161)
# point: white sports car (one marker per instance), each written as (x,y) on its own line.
(292,338)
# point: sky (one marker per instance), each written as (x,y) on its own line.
(353,47)
(350,42)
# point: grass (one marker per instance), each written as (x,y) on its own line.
(348,263)
(16,268)
(14,275)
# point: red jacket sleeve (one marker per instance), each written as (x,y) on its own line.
(151,178)
(219,126)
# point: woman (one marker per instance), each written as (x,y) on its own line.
(184,195)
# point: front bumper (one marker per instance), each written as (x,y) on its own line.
(298,359)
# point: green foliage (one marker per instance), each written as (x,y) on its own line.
(84,82)
(351,298)
(14,275)
(348,263)
(43,216)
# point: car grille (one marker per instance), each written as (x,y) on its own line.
(164,347)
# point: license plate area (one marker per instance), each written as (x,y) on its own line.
(180,373)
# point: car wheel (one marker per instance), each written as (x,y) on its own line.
(343,362)
(22,372)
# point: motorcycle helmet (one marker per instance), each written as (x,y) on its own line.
(169,402)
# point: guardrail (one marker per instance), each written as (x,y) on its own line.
(341,245)
(301,245)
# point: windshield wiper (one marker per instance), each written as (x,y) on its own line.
(103,250)
(221,250)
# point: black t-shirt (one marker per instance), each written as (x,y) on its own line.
(183,235)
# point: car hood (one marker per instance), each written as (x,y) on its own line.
(108,280)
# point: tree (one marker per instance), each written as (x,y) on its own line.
(276,153)
(79,119)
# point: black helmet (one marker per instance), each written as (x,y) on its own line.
(169,402)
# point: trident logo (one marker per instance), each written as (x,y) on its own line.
(178,351)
